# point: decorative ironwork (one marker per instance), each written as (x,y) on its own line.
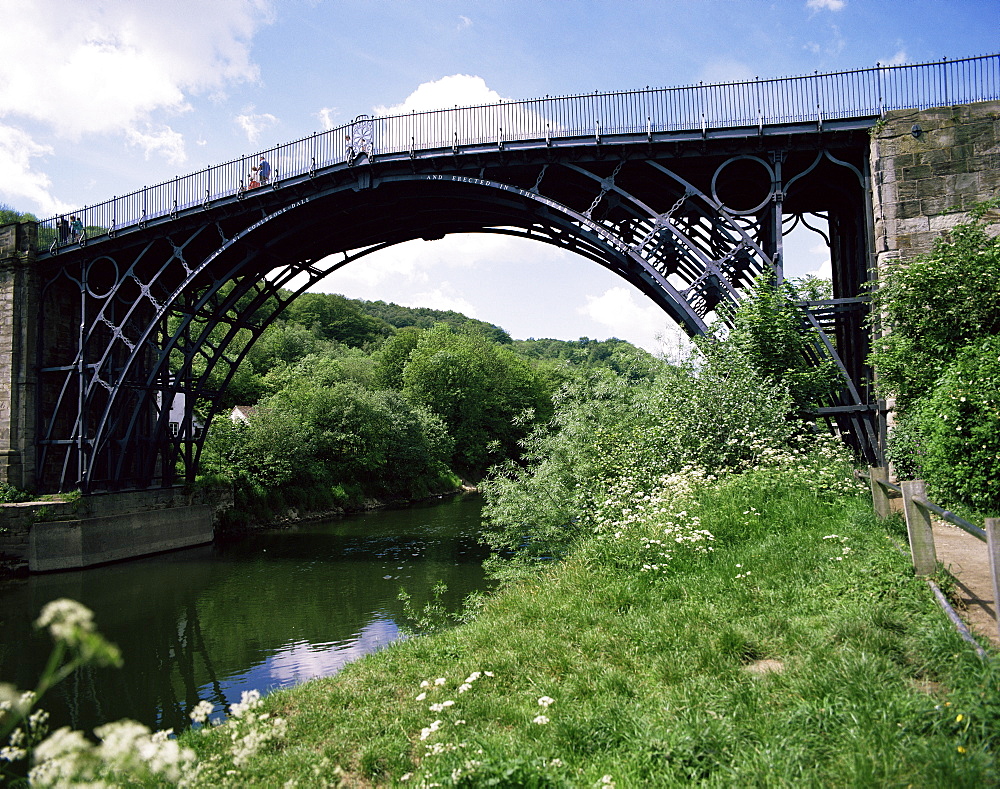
(362,138)
(140,323)
(758,107)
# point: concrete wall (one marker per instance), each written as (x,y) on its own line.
(107,527)
(922,185)
(82,543)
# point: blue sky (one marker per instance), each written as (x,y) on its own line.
(102,97)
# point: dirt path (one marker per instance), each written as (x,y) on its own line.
(966,559)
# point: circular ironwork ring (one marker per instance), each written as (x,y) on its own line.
(746,211)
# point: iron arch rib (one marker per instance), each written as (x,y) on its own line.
(181,309)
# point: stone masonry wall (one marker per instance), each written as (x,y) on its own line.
(18,313)
(925,184)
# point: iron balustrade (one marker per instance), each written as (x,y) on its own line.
(751,105)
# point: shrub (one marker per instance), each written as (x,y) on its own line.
(10,494)
(959,424)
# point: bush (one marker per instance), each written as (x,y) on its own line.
(10,494)
(958,428)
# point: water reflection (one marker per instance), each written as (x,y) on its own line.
(269,611)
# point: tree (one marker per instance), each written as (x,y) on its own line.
(392,357)
(478,388)
(336,317)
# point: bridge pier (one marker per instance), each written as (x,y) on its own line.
(930,167)
(18,345)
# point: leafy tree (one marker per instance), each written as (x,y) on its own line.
(958,427)
(478,388)
(426,318)
(336,317)
(392,357)
(10,216)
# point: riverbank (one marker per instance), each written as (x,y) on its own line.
(263,516)
(799,651)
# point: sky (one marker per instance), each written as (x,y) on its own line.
(103,97)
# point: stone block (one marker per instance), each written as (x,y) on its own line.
(980,136)
(908,209)
(916,172)
(933,187)
(988,183)
(949,167)
(932,206)
(945,222)
(908,190)
(934,156)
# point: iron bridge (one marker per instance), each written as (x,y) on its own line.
(686,193)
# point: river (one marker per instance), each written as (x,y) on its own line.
(268,611)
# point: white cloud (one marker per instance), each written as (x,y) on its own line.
(162,140)
(726,70)
(460,90)
(643,324)
(108,67)
(329,117)
(105,67)
(825,5)
(405,267)
(444,298)
(464,22)
(898,59)
(17,177)
(253,125)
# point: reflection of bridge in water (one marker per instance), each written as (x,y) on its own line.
(686,193)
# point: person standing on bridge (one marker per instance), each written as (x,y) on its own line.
(63,230)
(75,228)
(263,170)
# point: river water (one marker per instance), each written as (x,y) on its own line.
(269,611)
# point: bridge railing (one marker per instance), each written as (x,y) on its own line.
(813,98)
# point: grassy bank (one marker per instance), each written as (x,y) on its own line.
(794,648)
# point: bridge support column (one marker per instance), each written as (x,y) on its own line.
(18,338)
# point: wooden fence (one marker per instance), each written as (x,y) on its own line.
(917,510)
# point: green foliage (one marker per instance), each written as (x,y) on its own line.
(9,494)
(392,357)
(426,318)
(583,352)
(432,617)
(717,414)
(336,317)
(771,331)
(939,360)
(933,306)
(958,422)
(479,389)
(10,216)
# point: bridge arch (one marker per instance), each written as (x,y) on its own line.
(171,306)
(178,313)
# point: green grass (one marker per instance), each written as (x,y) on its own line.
(819,668)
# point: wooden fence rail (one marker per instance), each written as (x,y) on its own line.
(917,510)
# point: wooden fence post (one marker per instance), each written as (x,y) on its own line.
(880,495)
(993,545)
(918,527)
